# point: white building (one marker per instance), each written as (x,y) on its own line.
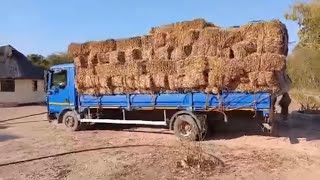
(20,81)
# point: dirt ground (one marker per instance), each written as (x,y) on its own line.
(32,148)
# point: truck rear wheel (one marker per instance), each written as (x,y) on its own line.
(71,121)
(185,128)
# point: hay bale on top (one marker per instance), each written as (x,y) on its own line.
(129,43)
(103,46)
(181,26)
(159,39)
(74,49)
(271,37)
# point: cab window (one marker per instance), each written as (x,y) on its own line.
(59,79)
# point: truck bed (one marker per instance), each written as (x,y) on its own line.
(196,101)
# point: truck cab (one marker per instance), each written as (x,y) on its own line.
(61,93)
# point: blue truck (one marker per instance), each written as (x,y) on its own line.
(186,113)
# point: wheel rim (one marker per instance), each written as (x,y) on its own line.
(185,128)
(70,121)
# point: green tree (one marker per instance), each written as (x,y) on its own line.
(38,60)
(307,15)
(304,62)
(59,58)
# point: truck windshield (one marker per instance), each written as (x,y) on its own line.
(59,79)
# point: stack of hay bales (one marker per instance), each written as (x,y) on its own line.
(186,56)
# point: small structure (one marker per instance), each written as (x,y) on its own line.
(20,81)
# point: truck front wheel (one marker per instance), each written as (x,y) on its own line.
(186,128)
(71,121)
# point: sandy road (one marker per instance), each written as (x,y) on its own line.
(127,152)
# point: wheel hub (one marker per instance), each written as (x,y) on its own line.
(185,129)
(70,121)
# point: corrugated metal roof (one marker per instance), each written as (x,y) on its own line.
(14,64)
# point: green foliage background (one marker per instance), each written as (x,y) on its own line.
(304,61)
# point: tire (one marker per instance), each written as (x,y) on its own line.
(70,120)
(185,128)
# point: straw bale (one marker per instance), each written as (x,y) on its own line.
(243,49)
(175,82)
(264,62)
(117,81)
(163,53)
(192,65)
(117,57)
(129,43)
(103,46)
(130,82)
(161,66)
(133,54)
(74,49)
(160,81)
(159,39)
(181,26)
(103,58)
(190,37)
(145,82)
(195,81)
(270,36)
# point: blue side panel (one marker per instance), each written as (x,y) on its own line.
(188,101)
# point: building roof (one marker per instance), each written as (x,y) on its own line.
(14,64)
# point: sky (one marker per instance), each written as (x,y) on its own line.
(49,26)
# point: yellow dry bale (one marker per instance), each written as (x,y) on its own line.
(243,49)
(159,67)
(130,82)
(197,64)
(103,46)
(148,54)
(147,41)
(181,26)
(194,81)
(264,62)
(163,53)
(117,81)
(81,62)
(117,57)
(190,37)
(103,58)
(159,39)
(175,82)
(144,82)
(271,37)
(133,54)
(74,49)
(160,81)
(178,53)
(225,53)
(193,55)
(129,43)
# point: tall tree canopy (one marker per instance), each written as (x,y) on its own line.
(52,59)
(307,15)
(304,62)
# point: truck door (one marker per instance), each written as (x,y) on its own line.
(58,91)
